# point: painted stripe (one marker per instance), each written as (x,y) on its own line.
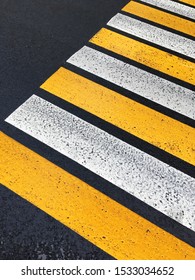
(163,187)
(150,56)
(136,119)
(107,224)
(161,17)
(190,2)
(159,90)
(154,34)
(174,7)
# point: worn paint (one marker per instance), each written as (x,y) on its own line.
(160,17)
(96,217)
(104,222)
(147,178)
(159,90)
(150,56)
(154,34)
(136,118)
(174,7)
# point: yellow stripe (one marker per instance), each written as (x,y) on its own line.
(145,54)
(93,215)
(166,19)
(162,131)
(191,2)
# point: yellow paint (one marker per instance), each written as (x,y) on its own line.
(162,131)
(145,54)
(191,2)
(104,222)
(163,18)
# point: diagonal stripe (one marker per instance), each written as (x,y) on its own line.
(190,2)
(161,17)
(107,224)
(136,118)
(27,232)
(154,34)
(157,59)
(159,90)
(152,181)
(174,7)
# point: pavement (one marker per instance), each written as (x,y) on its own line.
(97,130)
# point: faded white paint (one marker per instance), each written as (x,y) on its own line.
(174,7)
(154,34)
(150,86)
(147,178)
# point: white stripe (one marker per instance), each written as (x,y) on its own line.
(154,34)
(159,90)
(174,7)
(152,181)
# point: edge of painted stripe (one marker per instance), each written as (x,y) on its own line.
(164,10)
(138,98)
(159,219)
(86,144)
(139,65)
(37,234)
(149,43)
(158,25)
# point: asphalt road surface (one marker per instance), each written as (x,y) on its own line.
(97,129)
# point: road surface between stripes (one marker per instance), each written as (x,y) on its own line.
(136,118)
(150,86)
(174,7)
(160,17)
(107,224)
(104,222)
(147,178)
(154,34)
(145,54)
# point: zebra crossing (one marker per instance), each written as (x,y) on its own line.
(153,34)
(154,64)
(134,80)
(172,6)
(163,17)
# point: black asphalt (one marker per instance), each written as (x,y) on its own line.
(36,37)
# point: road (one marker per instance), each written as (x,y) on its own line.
(97,130)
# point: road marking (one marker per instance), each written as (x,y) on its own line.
(154,34)
(150,56)
(104,222)
(174,7)
(191,2)
(136,118)
(161,186)
(159,90)
(160,17)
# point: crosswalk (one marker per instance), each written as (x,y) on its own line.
(153,34)
(136,75)
(172,6)
(163,17)
(133,78)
